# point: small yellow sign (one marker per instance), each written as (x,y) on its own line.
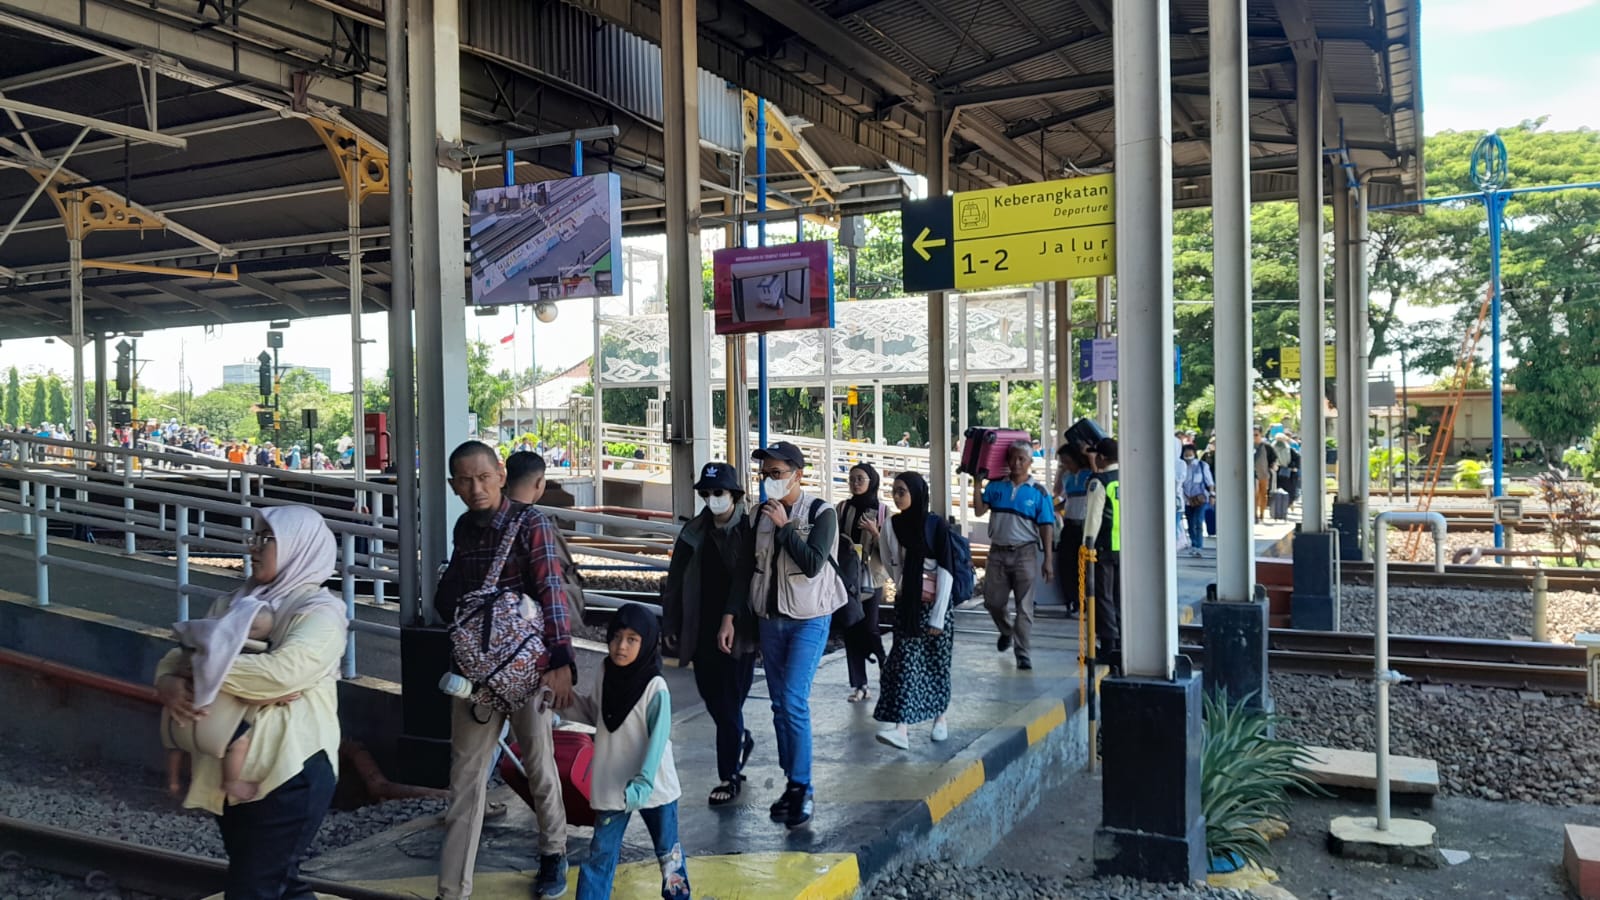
(1289,360)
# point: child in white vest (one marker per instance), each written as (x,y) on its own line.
(633,768)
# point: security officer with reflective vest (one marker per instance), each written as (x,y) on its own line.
(1102,530)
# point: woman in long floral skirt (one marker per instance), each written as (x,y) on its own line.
(915,681)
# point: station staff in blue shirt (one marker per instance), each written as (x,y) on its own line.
(1021,524)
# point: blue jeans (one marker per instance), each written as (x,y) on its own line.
(791,649)
(1195,516)
(600,869)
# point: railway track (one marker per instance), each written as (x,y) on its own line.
(109,866)
(1516,665)
(1484,576)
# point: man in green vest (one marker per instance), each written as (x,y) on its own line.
(1102,530)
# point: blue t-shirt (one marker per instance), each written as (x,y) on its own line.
(1015,511)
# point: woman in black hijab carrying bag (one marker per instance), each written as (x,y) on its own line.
(862,519)
(915,682)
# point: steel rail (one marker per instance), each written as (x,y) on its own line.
(1473,662)
(105,864)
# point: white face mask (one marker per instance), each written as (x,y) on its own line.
(777,488)
(719,505)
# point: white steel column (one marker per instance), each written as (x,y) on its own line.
(1343,357)
(1230,217)
(75,279)
(1308,121)
(597,437)
(1102,318)
(688,350)
(402,381)
(963,402)
(935,132)
(877,413)
(1149,572)
(435,69)
(1359,320)
(358,430)
(1064,373)
(829,421)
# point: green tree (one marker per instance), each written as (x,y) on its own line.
(13,407)
(59,412)
(226,412)
(38,410)
(487,391)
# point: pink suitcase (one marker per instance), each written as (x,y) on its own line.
(984,451)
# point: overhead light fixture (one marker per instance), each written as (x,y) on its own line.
(1189,185)
(280,323)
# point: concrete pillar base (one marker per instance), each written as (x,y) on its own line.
(1314,605)
(1236,647)
(1349,519)
(1407,842)
(1151,827)
(425,710)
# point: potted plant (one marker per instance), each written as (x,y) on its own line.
(1332,450)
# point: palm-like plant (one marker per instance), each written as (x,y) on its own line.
(1245,777)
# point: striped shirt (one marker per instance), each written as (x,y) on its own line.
(534,568)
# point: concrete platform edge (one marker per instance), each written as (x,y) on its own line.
(990,787)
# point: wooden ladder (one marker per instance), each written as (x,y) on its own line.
(1466,358)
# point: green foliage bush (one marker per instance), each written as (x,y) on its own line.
(1245,777)
(1469,475)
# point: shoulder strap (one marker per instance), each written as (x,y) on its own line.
(816,509)
(503,552)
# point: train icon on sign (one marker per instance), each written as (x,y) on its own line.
(974,213)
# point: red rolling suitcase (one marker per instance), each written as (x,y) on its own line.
(984,451)
(575,762)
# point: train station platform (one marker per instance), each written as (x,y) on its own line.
(1013,737)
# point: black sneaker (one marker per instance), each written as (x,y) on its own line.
(780,808)
(802,800)
(551,881)
(1004,643)
(1023,662)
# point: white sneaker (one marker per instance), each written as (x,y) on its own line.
(941,729)
(894,737)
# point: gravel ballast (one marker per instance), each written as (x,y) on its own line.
(1489,743)
(131,805)
(943,881)
(1470,613)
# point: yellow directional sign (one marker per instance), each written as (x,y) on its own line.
(1289,359)
(1044,231)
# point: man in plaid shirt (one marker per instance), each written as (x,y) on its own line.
(534,569)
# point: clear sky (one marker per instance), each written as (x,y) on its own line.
(1486,64)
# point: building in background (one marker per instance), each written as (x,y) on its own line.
(249,373)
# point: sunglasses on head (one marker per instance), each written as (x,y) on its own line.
(716,493)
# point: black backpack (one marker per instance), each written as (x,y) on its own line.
(846,561)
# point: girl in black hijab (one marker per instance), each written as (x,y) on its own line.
(633,770)
(862,517)
(916,677)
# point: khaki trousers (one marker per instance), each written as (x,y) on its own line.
(472,746)
(1012,569)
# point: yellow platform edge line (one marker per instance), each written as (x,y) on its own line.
(1050,721)
(944,800)
(839,882)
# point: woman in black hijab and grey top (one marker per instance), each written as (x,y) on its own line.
(916,678)
(862,518)
(709,578)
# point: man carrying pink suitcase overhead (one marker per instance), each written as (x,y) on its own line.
(1021,525)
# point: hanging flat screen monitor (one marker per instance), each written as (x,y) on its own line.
(758,289)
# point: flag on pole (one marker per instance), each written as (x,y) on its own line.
(509,338)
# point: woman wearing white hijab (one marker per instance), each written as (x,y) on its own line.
(294,738)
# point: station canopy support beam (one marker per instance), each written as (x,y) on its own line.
(936,133)
(1314,602)
(1151,825)
(689,402)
